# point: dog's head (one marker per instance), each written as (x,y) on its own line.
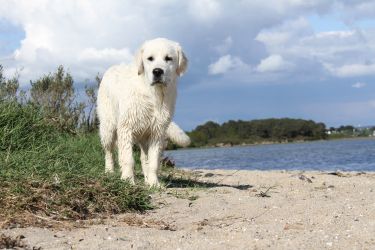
(161,61)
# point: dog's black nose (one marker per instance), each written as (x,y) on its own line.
(157,72)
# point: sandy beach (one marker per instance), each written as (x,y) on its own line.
(239,210)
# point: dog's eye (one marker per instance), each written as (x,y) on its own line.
(168,58)
(150,58)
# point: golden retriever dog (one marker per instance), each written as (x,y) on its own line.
(136,104)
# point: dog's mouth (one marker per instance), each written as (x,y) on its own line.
(158,82)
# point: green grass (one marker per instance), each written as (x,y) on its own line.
(46,173)
(23,127)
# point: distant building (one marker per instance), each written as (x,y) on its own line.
(331,132)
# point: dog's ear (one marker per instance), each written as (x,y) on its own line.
(182,61)
(139,61)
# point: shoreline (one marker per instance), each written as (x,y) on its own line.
(338,172)
(277,143)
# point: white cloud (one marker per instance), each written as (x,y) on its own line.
(351,70)
(107,54)
(288,32)
(356,10)
(64,32)
(359,85)
(225,64)
(273,63)
(338,53)
(205,10)
(89,36)
(224,46)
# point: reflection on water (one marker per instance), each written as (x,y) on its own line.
(356,155)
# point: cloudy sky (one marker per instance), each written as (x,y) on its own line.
(310,59)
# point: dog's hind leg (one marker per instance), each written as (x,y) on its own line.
(107,127)
(125,154)
(108,138)
(144,159)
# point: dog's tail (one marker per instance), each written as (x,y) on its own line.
(177,135)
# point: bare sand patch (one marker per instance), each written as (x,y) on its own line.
(238,210)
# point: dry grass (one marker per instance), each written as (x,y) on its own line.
(8,242)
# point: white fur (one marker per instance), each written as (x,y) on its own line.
(134,109)
(177,135)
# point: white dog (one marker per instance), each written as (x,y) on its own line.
(136,104)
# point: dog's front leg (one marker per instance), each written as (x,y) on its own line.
(125,155)
(154,152)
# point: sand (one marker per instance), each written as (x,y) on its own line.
(242,210)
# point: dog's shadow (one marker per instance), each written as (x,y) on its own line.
(177,182)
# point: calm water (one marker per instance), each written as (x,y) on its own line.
(358,155)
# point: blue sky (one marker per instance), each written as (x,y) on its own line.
(247,59)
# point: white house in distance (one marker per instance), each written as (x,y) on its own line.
(357,131)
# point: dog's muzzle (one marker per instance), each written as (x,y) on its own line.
(158,76)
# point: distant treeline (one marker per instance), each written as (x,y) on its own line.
(256,131)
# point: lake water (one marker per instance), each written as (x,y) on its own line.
(351,154)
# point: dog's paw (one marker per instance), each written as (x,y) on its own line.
(130,179)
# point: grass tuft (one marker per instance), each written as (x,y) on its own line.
(22,126)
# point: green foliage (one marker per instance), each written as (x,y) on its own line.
(237,132)
(55,95)
(347,130)
(205,133)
